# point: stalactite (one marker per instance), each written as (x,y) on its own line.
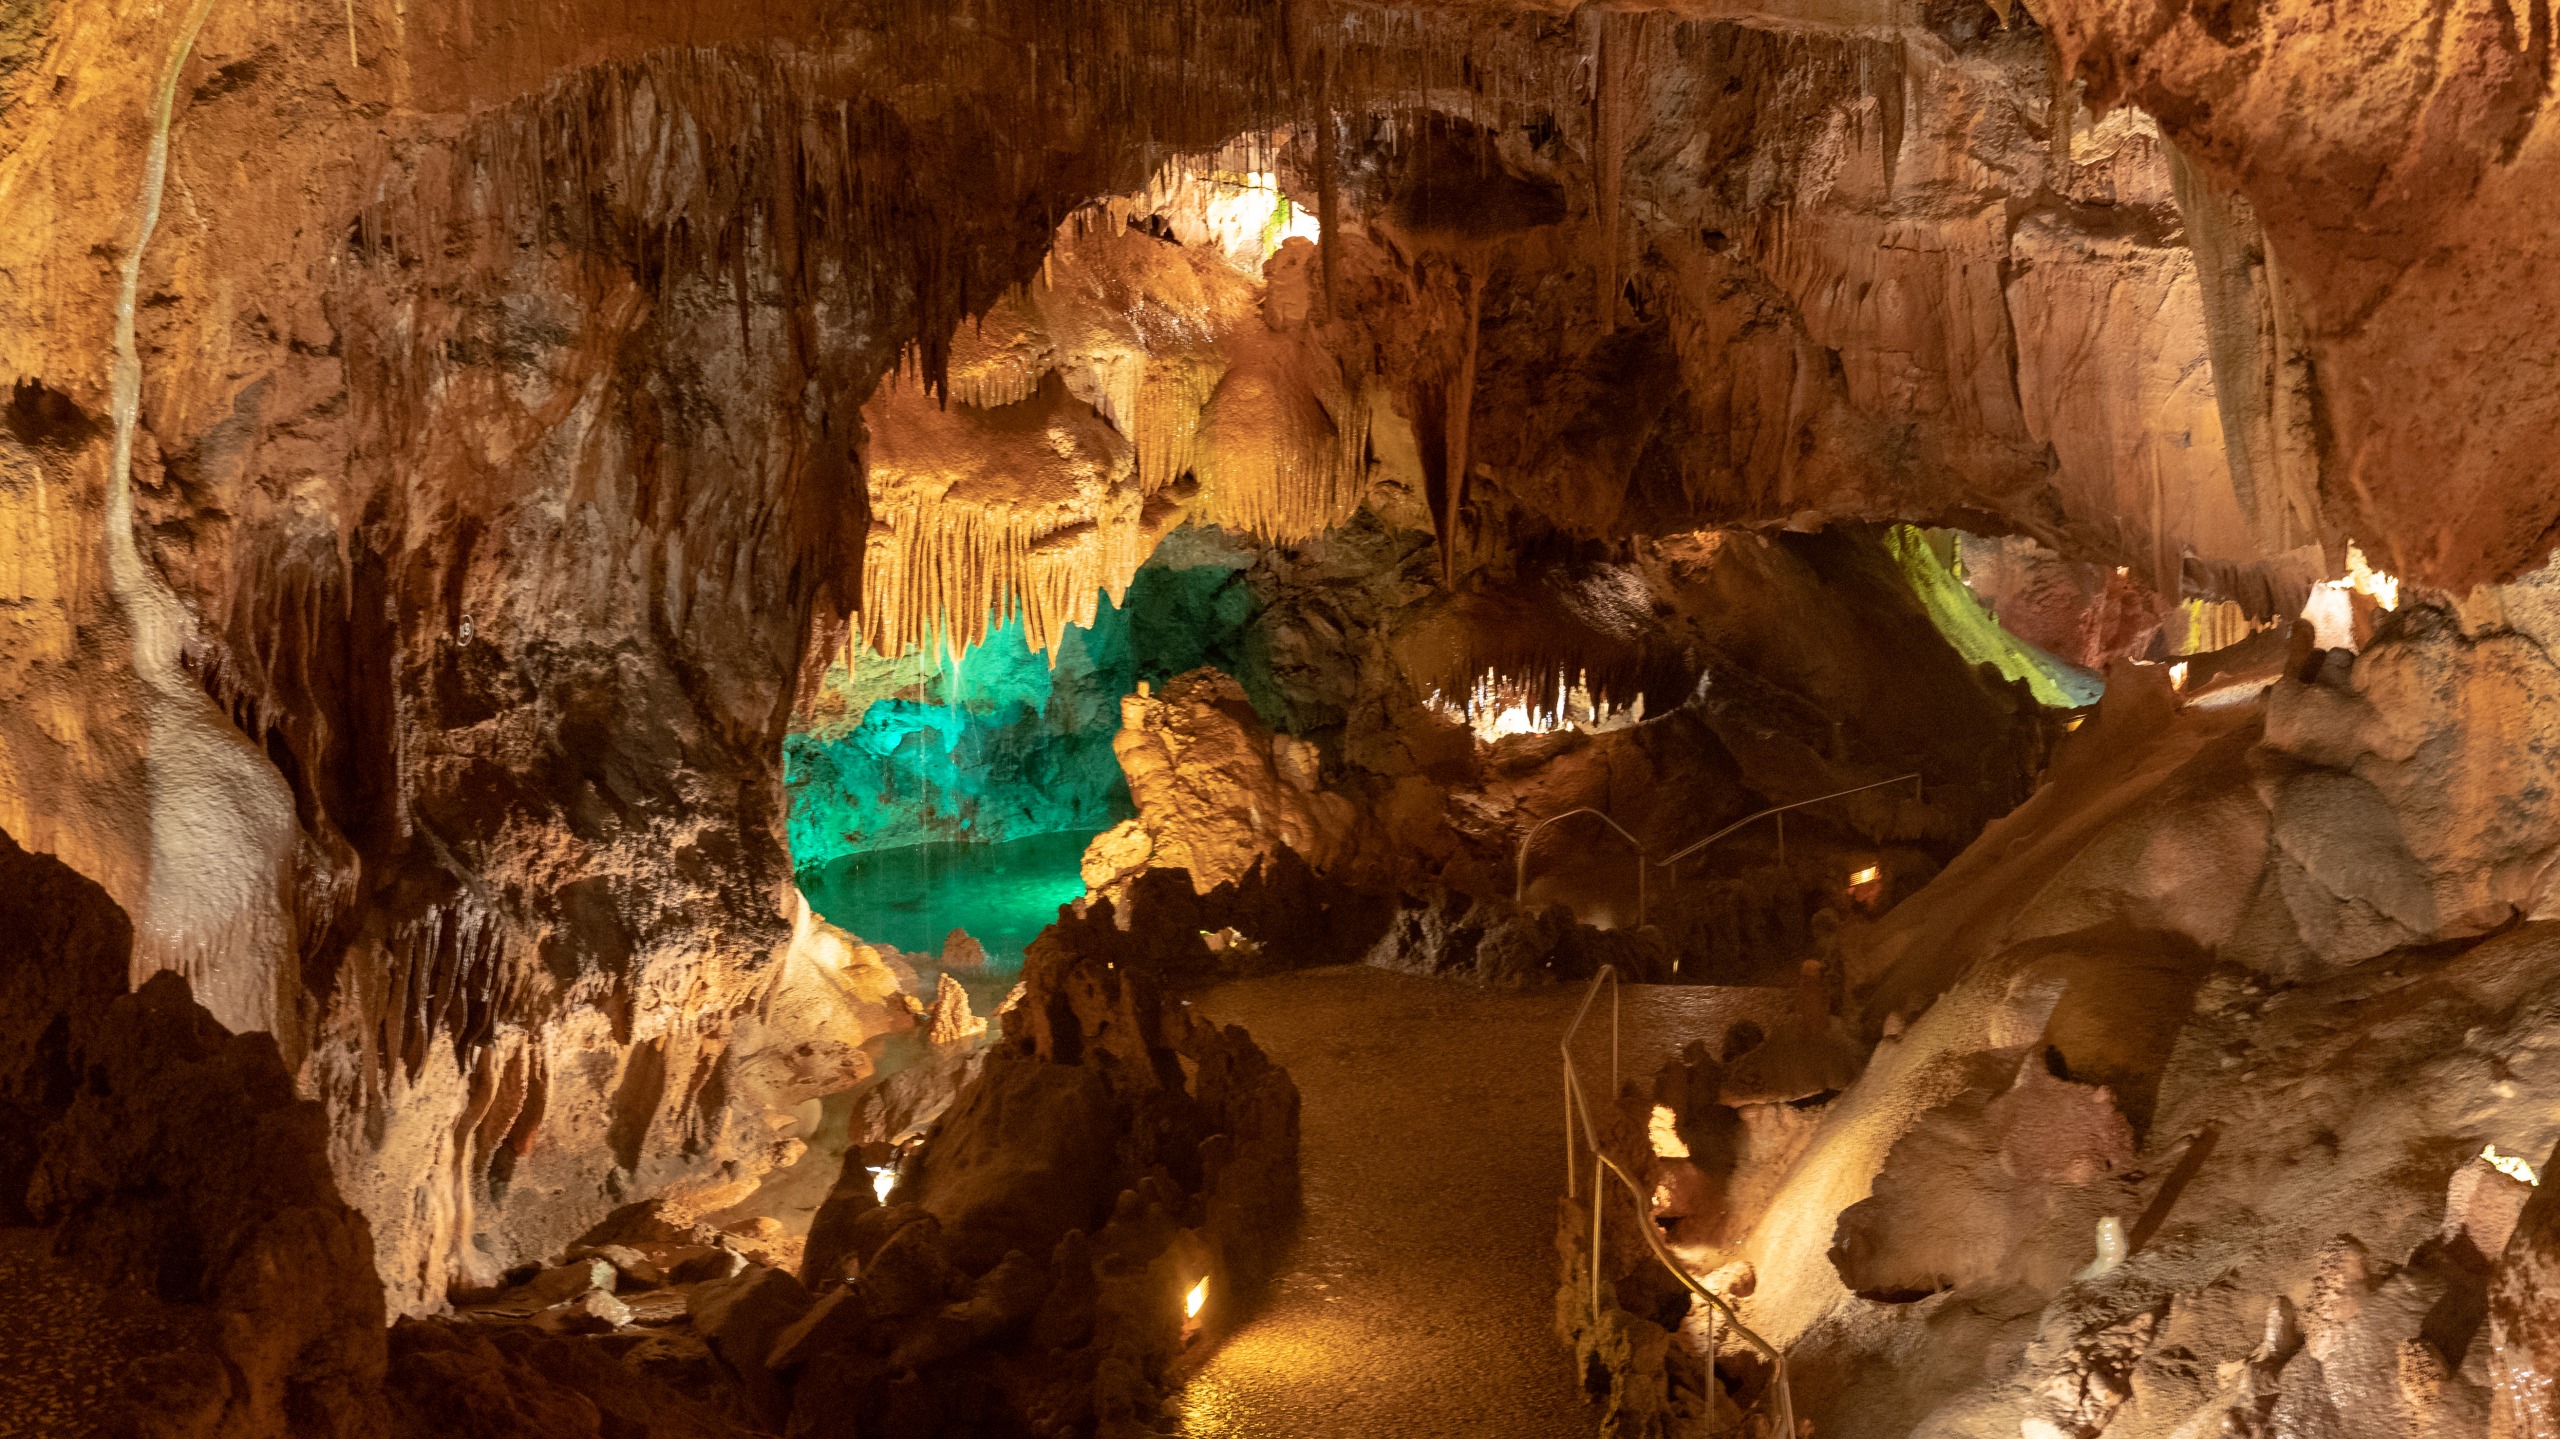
(1462,403)
(1328,188)
(1609,156)
(1170,346)
(938,577)
(1281,458)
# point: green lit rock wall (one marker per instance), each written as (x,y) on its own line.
(1977,635)
(1004,745)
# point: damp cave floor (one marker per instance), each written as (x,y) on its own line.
(1419,1298)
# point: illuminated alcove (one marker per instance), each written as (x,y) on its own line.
(939,792)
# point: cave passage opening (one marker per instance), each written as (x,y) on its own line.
(936,793)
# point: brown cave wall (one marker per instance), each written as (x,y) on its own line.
(1769,670)
(2398,160)
(557,326)
(501,461)
(1854,277)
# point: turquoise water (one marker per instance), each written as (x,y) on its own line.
(911,898)
(932,795)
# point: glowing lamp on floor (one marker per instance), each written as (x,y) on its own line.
(1865,890)
(1189,1263)
(1195,1301)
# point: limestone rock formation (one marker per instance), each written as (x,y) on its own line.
(1217,792)
(448,446)
(158,1150)
(2522,1400)
(2198,1016)
(483,554)
(1990,1187)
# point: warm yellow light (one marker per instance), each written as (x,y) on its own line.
(2178,675)
(883,1180)
(1192,1301)
(1497,708)
(1865,876)
(2511,1165)
(1664,1131)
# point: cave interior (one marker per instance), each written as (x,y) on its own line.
(1279,719)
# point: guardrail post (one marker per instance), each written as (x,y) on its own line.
(1780,1396)
(1599,1209)
(1568,1129)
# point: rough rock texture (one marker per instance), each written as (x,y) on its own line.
(2392,162)
(440,452)
(515,1383)
(2229,1008)
(1217,792)
(1971,1192)
(487,496)
(158,1150)
(406,611)
(1750,674)
(1495,941)
(2523,1399)
(1028,1272)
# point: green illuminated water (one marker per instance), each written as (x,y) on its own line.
(912,898)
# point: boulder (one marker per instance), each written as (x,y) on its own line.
(1992,1187)
(909,1275)
(594,1312)
(162,1150)
(740,1319)
(565,1282)
(634,1268)
(832,1230)
(1023,1156)
(837,1321)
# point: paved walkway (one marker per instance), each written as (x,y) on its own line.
(1420,1300)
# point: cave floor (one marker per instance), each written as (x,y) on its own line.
(1419,1299)
(66,1340)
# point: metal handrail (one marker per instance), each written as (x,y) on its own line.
(1520,861)
(1917,784)
(1520,865)
(1578,1111)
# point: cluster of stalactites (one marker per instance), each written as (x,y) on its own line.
(940,577)
(1497,706)
(1149,315)
(1307,474)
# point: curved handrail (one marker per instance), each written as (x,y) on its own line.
(1520,861)
(1578,1115)
(1520,865)
(1914,777)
